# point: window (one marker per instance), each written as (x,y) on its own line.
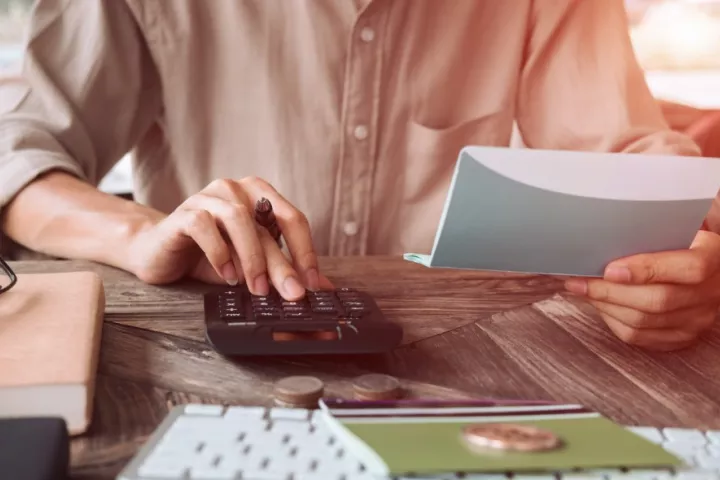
(678,44)
(14,18)
(14,15)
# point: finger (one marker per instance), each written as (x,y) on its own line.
(652,339)
(294,226)
(691,319)
(202,228)
(646,298)
(325,283)
(692,266)
(282,274)
(237,221)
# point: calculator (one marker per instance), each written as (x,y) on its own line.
(338,321)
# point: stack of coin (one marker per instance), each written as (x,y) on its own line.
(509,437)
(376,386)
(298,392)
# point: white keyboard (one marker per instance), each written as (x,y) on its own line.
(211,442)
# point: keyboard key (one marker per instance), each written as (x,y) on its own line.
(289,413)
(642,475)
(486,476)
(582,476)
(696,476)
(533,477)
(242,413)
(713,436)
(213,473)
(682,448)
(685,435)
(713,449)
(708,461)
(200,409)
(176,470)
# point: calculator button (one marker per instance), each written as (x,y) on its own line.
(267,314)
(322,295)
(297,314)
(241,324)
(323,304)
(353,303)
(289,304)
(258,299)
(267,310)
(349,297)
(324,310)
(294,308)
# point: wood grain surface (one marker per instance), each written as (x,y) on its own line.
(466,334)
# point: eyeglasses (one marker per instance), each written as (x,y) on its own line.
(8,279)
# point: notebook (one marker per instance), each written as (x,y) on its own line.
(50,331)
(565,212)
(395,438)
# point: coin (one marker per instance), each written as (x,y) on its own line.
(376,386)
(510,437)
(298,391)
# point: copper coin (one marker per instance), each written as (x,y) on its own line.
(510,437)
(298,391)
(376,386)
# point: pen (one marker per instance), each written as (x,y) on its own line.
(265,216)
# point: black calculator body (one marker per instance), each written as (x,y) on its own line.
(341,321)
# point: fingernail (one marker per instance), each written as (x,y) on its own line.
(312,279)
(293,288)
(617,273)
(262,287)
(576,286)
(229,273)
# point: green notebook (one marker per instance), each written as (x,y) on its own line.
(425,437)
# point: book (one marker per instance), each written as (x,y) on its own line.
(567,213)
(50,332)
(396,438)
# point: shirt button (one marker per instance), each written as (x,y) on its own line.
(367,34)
(360,132)
(350,229)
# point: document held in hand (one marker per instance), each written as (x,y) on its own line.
(565,212)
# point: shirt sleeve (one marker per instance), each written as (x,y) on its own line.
(87,93)
(582,88)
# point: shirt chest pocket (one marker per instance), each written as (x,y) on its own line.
(428,143)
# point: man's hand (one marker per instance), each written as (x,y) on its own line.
(659,301)
(213,237)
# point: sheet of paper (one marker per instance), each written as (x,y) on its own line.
(567,213)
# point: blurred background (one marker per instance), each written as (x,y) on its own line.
(676,41)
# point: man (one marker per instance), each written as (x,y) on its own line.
(349,111)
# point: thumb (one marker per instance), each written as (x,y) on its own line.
(693,266)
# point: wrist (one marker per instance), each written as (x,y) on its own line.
(127,231)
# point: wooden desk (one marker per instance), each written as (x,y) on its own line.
(486,334)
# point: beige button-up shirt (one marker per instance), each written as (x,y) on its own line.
(355,110)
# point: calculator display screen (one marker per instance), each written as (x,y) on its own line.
(295,335)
